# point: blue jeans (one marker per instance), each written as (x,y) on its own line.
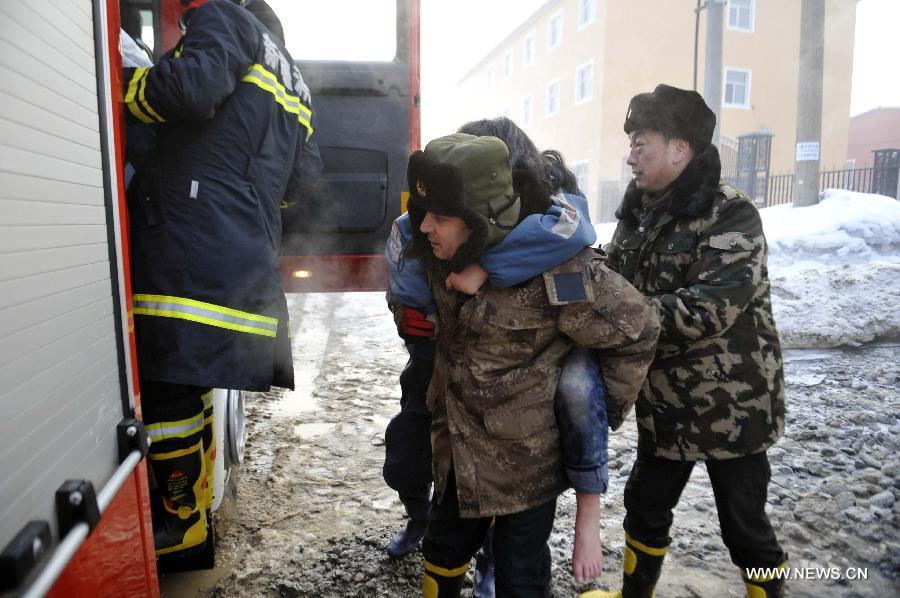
(580,406)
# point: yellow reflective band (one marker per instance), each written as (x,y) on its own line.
(264,79)
(262,71)
(646,549)
(179,51)
(204,313)
(207,399)
(147,108)
(139,74)
(175,429)
(176,454)
(446,572)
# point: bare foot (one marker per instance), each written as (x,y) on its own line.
(587,556)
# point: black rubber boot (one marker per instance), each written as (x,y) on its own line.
(642,566)
(409,538)
(485,576)
(439,582)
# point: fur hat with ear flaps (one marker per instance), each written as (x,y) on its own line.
(468,177)
(676,113)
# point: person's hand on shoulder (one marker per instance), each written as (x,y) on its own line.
(469,280)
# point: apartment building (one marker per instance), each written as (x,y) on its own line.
(567,73)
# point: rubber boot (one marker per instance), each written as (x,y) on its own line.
(642,566)
(761,586)
(410,537)
(443,583)
(179,516)
(485,575)
(209,449)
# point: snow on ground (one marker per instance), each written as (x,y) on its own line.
(834,267)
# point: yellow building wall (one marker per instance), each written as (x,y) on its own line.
(636,44)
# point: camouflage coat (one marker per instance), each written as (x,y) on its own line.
(498,361)
(716,387)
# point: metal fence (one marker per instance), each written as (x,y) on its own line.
(780,187)
(728,154)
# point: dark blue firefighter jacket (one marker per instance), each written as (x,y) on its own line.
(235,130)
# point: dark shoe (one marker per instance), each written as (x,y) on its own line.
(485,578)
(408,539)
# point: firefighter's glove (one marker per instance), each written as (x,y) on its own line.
(414,326)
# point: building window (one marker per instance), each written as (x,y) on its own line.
(507,64)
(581,175)
(584,82)
(741,14)
(737,88)
(528,49)
(555,30)
(552,105)
(587,12)
(528,110)
(489,77)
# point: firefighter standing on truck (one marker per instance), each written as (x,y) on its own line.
(235,131)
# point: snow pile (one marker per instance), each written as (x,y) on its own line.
(834,267)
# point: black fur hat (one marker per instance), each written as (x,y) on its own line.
(676,113)
(468,177)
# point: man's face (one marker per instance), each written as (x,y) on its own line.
(445,233)
(656,162)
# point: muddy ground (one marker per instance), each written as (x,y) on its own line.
(313,516)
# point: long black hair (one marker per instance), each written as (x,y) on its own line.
(536,175)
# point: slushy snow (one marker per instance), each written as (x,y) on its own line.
(834,267)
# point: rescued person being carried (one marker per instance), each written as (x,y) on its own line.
(497,430)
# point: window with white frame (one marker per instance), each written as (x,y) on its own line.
(489,77)
(507,64)
(555,30)
(528,110)
(580,169)
(587,12)
(741,14)
(528,49)
(552,103)
(584,82)
(737,88)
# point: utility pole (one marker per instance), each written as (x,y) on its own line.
(712,73)
(809,102)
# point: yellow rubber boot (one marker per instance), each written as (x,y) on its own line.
(178,467)
(642,565)
(180,475)
(209,448)
(439,582)
(762,586)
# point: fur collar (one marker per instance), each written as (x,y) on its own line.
(689,196)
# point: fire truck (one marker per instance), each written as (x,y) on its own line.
(74,500)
